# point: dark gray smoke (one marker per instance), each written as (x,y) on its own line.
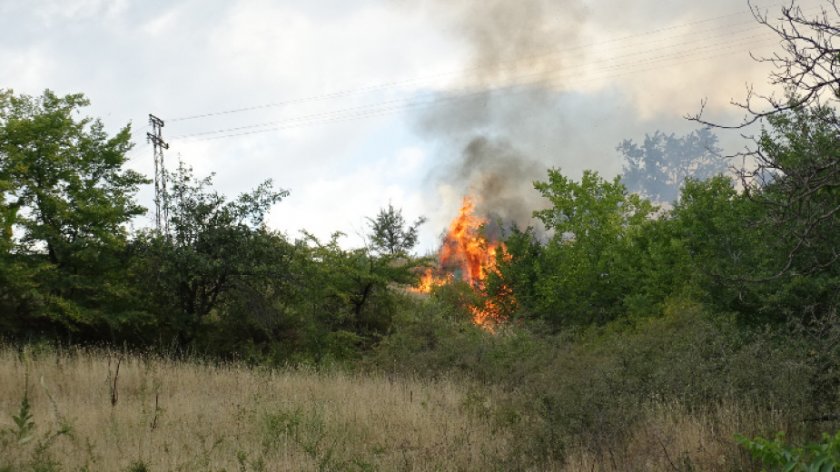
(528,105)
(498,176)
(496,142)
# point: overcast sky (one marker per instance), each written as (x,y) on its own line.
(351,104)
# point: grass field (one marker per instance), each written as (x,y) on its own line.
(101,410)
(187,416)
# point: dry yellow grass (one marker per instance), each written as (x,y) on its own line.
(234,418)
(670,438)
(184,416)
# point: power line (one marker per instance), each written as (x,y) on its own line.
(387,111)
(435,98)
(378,110)
(461,72)
(400,104)
(540,74)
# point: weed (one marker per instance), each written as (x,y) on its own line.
(778,455)
(24,423)
(137,466)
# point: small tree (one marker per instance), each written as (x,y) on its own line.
(792,165)
(389,233)
(582,272)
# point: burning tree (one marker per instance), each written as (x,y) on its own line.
(467,255)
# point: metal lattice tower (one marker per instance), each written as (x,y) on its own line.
(161,197)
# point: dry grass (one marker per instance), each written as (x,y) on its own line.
(172,416)
(670,438)
(235,418)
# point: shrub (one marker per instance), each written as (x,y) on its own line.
(778,455)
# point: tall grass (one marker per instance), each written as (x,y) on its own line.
(80,410)
(189,416)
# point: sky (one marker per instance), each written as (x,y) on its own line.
(355,104)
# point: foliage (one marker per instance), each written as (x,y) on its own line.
(214,245)
(389,233)
(350,291)
(593,387)
(581,275)
(823,456)
(719,232)
(770,251)
(25,440)
(799,183)
(66,197)
(791,165)
(658,167)
(23,421)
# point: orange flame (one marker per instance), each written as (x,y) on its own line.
(428,281)
(466,254)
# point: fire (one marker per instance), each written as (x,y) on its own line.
(428,281)
(467,255)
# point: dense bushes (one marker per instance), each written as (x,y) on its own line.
(595,387)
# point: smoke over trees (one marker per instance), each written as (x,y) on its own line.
(658,167)
(718,313)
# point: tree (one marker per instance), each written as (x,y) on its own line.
(66,197)
(389,233)
(799,183)
(793,166)
(721,232)
(658,168)
(215,244)
(806,70)
(583,275)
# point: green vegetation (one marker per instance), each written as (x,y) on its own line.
(639,334)
(821,456)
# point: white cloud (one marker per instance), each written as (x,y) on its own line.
(26,70)
(343,201)
(162,24)
(52,11)
(281,46)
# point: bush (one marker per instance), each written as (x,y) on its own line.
(777,455)
(594,388)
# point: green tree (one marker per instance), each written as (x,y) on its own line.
(65,197)
(791,166)
(584,272)
(769,252)
(214,244)
(799,183)
(658,167)
(389,233)
(721,232)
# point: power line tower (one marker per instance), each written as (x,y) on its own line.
(161,197)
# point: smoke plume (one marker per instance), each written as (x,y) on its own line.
(499,176)
(501,135)
(512,37)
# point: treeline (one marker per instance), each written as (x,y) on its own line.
(219,282)
(763,247)
(680,293)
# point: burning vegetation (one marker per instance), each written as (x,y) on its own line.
(467,255)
